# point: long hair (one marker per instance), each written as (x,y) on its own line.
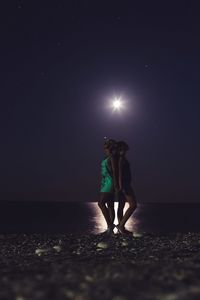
(110,144)
(121,145)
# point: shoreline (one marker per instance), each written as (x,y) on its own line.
(79,217)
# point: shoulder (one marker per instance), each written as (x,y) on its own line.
(108,159)
(112,160)
(111,157)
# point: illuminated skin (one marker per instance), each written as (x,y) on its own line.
(108,197)
(110,202)
(120,196)
(128,193)
(121,204)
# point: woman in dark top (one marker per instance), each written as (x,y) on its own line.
(125,187)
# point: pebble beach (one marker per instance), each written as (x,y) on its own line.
(89,266)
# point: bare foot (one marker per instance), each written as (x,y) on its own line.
(121,229)
(128,232)
(109,230)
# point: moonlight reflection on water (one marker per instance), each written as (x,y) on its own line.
(100,223)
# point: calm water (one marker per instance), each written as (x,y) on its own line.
(87,218)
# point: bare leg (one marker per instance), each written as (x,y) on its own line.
(111,209)
(105,197)
(130,198)
(120,207)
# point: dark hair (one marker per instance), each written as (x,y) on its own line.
(110,144)
(121,145)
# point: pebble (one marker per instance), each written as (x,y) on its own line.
(171,296)
(20,298)
(69,294)
(137,235)
(39,251)
(124,244)
(102,245)
(89,278)
(57,248)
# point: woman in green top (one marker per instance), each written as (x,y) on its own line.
(109,183)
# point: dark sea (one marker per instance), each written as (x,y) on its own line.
(79,217)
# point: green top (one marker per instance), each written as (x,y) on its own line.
(106,177)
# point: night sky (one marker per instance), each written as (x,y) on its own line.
(60,65)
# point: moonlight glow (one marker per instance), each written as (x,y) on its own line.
(117,104)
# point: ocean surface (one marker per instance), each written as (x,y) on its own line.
(79,217)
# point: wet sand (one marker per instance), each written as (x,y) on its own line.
(163,266)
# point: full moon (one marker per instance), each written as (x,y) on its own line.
(117,104)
